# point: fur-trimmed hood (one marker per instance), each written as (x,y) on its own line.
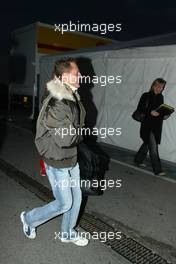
(61,91)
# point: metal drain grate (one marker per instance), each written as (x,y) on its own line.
(126,246)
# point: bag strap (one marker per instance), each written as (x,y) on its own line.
(42,110)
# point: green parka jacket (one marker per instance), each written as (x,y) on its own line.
(58,133)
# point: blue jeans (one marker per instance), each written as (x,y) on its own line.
(65,183)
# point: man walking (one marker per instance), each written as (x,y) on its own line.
(57,144)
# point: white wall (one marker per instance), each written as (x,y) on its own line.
(116,102)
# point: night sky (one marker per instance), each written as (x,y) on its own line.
(139,18)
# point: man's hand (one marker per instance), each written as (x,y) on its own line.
(155,113)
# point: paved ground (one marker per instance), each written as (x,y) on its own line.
(45,249)
(144,206)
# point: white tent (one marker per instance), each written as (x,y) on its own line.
(138,66)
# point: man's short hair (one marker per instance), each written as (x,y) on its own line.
(63,65)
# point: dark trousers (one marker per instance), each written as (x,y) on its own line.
(152,147)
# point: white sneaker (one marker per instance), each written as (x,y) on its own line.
(162,173)
(79,241)
(28,231)
(142,165)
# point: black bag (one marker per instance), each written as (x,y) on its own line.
(89,170)
(138,116)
